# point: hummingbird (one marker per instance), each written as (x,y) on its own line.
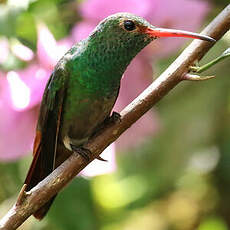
(83,88)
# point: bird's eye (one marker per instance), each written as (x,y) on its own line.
(129,25)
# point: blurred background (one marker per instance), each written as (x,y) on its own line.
(170,171)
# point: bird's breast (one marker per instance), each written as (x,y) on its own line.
(82,116)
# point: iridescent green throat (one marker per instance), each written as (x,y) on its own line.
(100,60)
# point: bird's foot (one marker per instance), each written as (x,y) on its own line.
(115,117)
(85,153)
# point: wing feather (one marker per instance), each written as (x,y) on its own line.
(45,144)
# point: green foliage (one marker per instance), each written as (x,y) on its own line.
(213,224)
(26,29)
(8,18)
(72,207)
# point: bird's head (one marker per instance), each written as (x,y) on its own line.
(121,36)
(127,28)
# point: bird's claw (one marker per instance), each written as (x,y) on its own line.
(85,153)
(101,159)
(115,117)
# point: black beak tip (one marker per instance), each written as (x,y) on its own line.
(209,39)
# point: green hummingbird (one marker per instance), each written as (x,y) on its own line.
(83,88)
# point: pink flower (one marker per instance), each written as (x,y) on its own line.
(21,94)
(169,15)
(19,50)
(16,127)
(22,52)
(49,51)
(94,10)
(135,80)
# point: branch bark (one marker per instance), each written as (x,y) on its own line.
(60,177)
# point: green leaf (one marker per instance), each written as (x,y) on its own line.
(74,207)
(26,29)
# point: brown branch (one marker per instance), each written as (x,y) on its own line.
(61,176)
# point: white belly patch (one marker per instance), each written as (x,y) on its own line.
(67,141)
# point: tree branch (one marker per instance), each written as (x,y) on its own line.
(41,193)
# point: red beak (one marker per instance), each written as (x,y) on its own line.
(160,32)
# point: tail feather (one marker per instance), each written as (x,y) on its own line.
(41,167)
(34,176)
